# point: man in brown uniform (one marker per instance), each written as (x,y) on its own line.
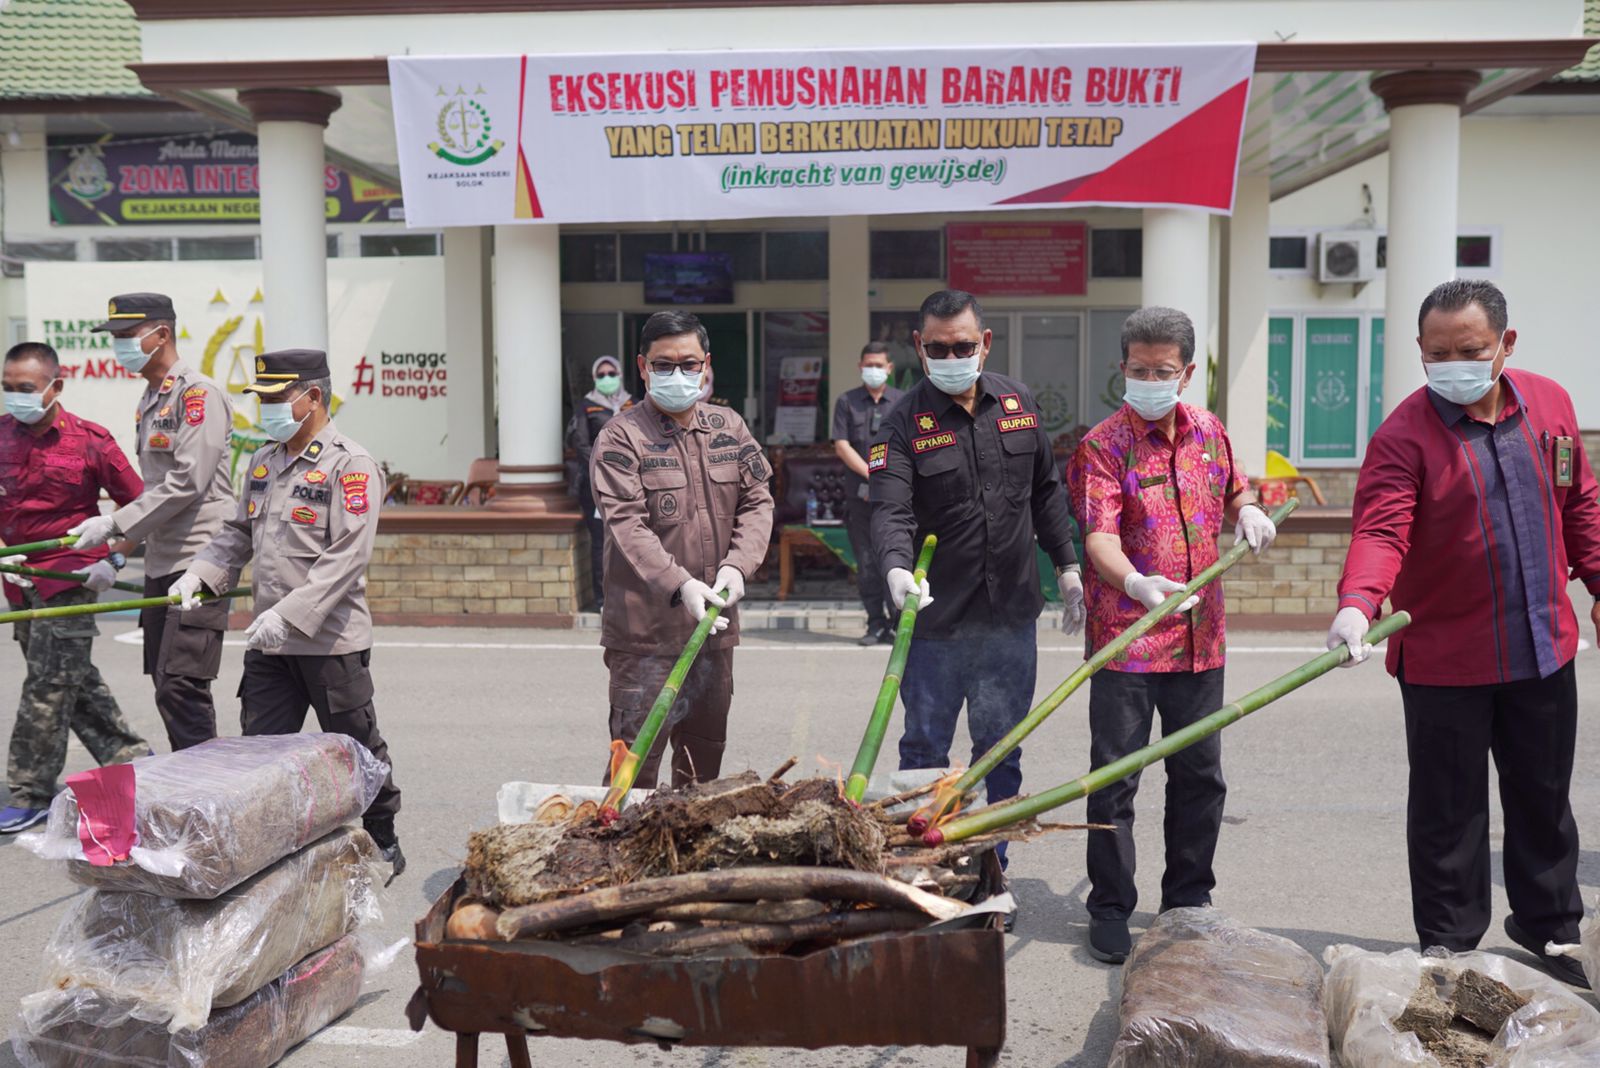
(184,424)
(309,520)
(682,487)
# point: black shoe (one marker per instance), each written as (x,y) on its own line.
(869,638)
(1564,968)
(886,636)
(1010,922)
(1109,940)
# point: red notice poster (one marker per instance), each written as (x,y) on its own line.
(1042,259)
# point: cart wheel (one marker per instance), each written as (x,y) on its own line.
(983,1056)
(517,1048)
(466,1051)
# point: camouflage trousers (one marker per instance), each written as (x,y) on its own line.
(63,691)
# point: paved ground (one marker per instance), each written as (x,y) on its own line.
(1313,847)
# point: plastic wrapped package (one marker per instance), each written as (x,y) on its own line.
(1366,991)
(1200,991)
(1587,949)
(252,1034)
(171,962)
(210,817)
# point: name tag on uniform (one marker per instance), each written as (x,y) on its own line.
(934,441)
(1009,423)
(1153,480)
(1563,461)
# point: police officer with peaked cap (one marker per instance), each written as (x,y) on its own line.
(309,520)
(184,429)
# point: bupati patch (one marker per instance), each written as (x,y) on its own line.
(1010,403)
(160,441)
(933,441)
(316,476)
(925,422)
(303,515)
(618,459)
(724,441)
(194,405)
(1009,423)
(259,472)
(878,457)
(354,486)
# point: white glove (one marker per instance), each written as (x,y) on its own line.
(1155,590)
(902,582)
(12,577)
(101,576)
(96,530)
(1350,628)
(731,580)
(1256,527)
(267,633)
(696,595)
(1070,583)
(187,587)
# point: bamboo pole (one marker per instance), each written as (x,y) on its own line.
(38,546)
(65,576)
(1006,813)
(948,798)
(68,610)
(867,755)
(623,777)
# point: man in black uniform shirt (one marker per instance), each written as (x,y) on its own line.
(964,455)
(857,418)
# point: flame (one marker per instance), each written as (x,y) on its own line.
(837,769)
(619,753)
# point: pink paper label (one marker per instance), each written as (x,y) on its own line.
(106,824)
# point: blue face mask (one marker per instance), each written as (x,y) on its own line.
(1152,400)
(130,353)
(954,374)
(675,391)
(278,421)
(874,377)
(27,408)
(1463,381)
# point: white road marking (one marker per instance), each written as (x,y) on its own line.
(387,1037)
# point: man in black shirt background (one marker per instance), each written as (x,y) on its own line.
(857,417)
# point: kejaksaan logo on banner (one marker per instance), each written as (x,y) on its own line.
(725,135)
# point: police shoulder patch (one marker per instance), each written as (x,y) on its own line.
(194,405)
(354,485)
(878,457)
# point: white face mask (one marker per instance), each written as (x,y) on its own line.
(1152,400)
(1464,381)
(954,374)
(874,377)
(28,408)
(130,353)
(675,391)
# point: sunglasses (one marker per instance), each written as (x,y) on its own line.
(938,350)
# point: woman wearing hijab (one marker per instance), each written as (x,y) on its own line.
(605,400)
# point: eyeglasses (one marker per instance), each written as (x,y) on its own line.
(938,350)
(666,367)
(1151,374)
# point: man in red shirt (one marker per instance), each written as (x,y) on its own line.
(53,466)
(1474,509)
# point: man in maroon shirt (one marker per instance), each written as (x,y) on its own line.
(1475,508)
(53,466)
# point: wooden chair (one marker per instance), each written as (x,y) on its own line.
(1283,480)
(433,492)
(482,475)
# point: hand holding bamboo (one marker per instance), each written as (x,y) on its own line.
(65,576)
(883,710)
(38,546)
(68,610)
(949,797)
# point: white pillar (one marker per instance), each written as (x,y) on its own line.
(294,229)
(1177,274)
(1424,181)
(849,317)
(527,346)
(1242,364)
(468,326)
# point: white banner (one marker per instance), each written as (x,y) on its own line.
(722,135)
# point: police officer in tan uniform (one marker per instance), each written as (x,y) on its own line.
(309,521)
(682,487)
(184,427)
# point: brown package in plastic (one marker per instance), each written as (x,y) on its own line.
(171,962)
(210,817)
(1199,991)
(252,1034)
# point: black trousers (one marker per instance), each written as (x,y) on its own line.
(597,541)
(183,654)
(1531,730)
(1121,707)
(276,690)
(869,572)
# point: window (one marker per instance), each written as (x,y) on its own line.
(1475,251)
(634,249)
(588,257)
(1383,251)
(797,255)
(1324,385)
(1288,253)
(123,250)
(216,248)
(907,254)
(744,247)
(400,244)
(14,253)
(333,246)
(1116,253)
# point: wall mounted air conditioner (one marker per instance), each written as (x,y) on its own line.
(1347,255)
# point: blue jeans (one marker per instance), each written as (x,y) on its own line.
(991,669)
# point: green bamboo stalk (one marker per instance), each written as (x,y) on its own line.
(867,755)
(1017,809)
(622,779)
(68,610)
(38,546)
(65,576)
(949,797)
